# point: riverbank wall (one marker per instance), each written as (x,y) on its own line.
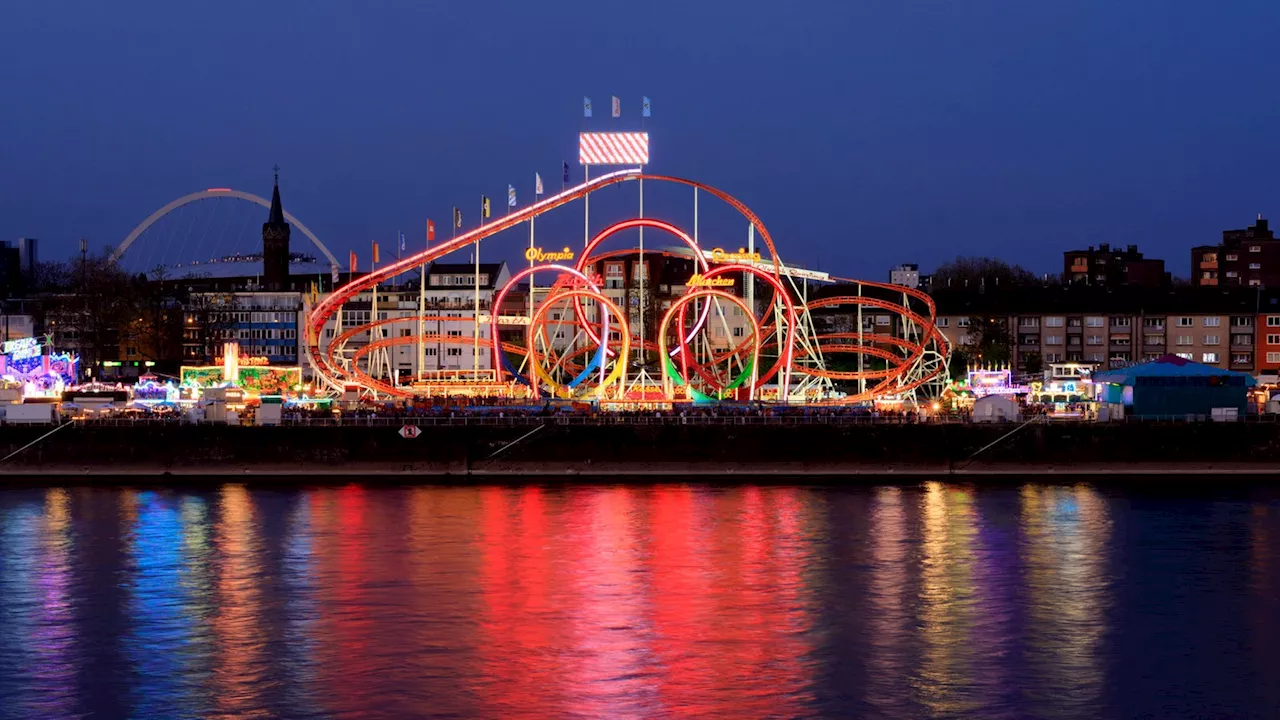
(637,451)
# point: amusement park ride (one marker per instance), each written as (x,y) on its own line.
(583,343)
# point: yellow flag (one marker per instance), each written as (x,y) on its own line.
(484,205)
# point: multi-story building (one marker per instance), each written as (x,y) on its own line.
(907,274)
(1106,266)
(265,325)
(1246,258)
(1114,329)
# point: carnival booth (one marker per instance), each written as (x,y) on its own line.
(36,368)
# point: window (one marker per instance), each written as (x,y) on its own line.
(737,332)
(404,333)
(1073,340)
(431,352)
(1120,322)
(1232,273)
(455,352)
(1153,322)
(1241,359)
(1209,357)
(1093,340)
(882,319)
(1242,322)
(1186,322)
(1255,248)
(1273,339)
(1029,322)
(1075,322)
(962,322)
(1212,321)
(1053,340)
(1209,257)
(1053,357)
(1095,357)
(1212,339)
(1273,357)
(1232,257)
(1255,282)
(1054,322)
(942,322)
(1186,356)
(131,351)
(1255,266)
(1184,340)
(1273,321)
(1153,340)
(1120,342)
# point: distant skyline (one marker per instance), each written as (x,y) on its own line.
(864,134)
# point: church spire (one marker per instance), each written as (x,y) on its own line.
(277,209)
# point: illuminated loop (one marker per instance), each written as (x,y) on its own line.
(616,375)
(670,372)
(505,363)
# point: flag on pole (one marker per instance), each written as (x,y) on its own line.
(586,107)
(431,232)
(646,110)
(333,275)
(537,184)
(511,196)
(484,206)
(457,218)
(566,172)
(375,254)
(353,262)
(403,247)
(617,107)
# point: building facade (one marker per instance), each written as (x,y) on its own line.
(1106,266)
(1245,258)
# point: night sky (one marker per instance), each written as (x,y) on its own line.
(863,133)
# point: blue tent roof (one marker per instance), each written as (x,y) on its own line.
(1167,366)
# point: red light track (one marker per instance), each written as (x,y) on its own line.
(324,362)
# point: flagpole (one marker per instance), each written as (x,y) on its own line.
(531,251)
(422,309)
(373,309)
(644,272)
(475,333)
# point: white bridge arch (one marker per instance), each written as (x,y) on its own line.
(218,193)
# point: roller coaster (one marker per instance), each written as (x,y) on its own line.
(581,344)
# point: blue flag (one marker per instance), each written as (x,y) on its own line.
(511,196)
(586,107)
(566,172)
(646,110)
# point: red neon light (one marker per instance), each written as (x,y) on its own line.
(218,190)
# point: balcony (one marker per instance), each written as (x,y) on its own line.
(1208,264)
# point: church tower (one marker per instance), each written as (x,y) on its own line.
(275,244)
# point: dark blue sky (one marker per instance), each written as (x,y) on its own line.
(863,133)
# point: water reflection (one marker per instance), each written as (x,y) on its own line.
(665,601)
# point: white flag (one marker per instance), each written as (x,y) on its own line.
(537,184)
(617,107)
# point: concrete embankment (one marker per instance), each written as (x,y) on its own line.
(467,453)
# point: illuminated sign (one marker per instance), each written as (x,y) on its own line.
(540,255)
(613,148)
(718,255)
(699,280)
(505,319)
(247,361)
(22,348)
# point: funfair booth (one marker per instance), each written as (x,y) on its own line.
(33,366)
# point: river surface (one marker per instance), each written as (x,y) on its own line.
(665,601)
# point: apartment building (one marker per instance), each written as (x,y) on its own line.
(1249,257)
(1113,329)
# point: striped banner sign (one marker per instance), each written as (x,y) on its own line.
(613,148)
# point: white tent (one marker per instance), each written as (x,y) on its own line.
(996,408)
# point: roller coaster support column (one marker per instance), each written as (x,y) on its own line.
(644,272)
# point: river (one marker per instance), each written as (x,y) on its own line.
(661,601)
